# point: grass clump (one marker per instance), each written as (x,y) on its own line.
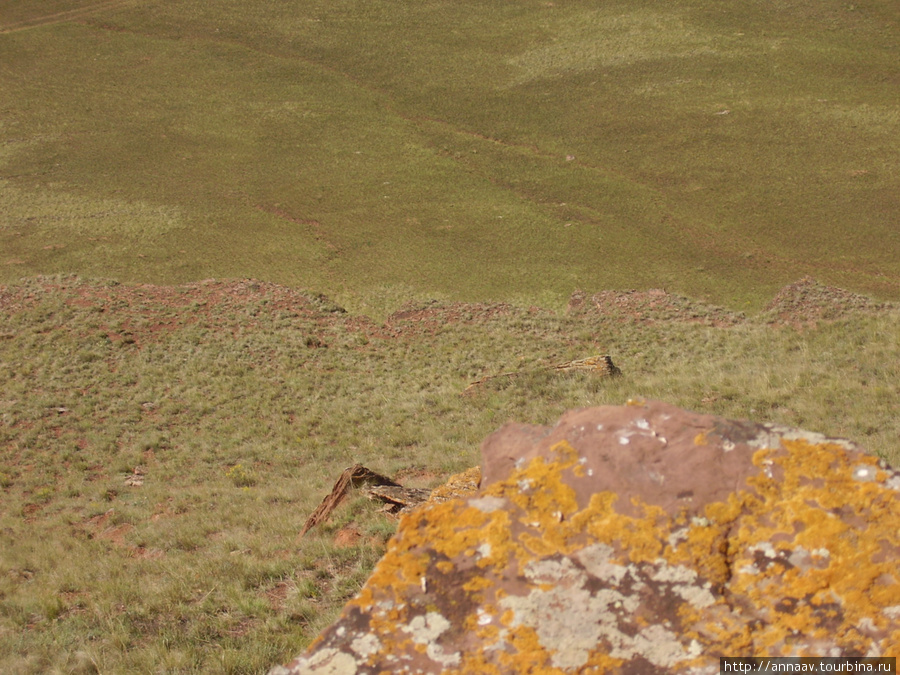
(241,476)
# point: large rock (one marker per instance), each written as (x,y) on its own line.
(635,539)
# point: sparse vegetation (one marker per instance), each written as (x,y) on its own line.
(153,492)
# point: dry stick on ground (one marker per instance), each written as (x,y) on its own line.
(595,364)
(355,476)
(398,498)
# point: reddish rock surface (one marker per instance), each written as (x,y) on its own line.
(635,539)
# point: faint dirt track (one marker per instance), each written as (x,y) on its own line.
(60,17)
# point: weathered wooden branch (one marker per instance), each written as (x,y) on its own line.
(595,364)
(601,365)
(398,498)
(356,476)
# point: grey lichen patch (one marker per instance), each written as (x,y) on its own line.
(597,560)
(804,559)
(554,571)
(425,630)
(570,635)
(659,646)
(324,662)
(366,645)
(570,620)
(773,435)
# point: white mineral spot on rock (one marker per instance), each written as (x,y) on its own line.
(766,548)
(678,536)
(623,440)
(864,473)
(488,504)
(642,424)
(728,446)
(483,617)
(892,612)
(766,439)
(867,624)
(484,551)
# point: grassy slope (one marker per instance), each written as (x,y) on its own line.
(237,404)
(384,151)
(385,147)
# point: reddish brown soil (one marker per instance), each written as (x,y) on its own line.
(140,313)
(653,306)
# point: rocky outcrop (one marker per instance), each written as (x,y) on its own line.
(807,302)
(635,539)
(649,307)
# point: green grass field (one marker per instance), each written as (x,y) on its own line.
(478,150)
(162,445)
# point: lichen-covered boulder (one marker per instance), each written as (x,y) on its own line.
(635,539)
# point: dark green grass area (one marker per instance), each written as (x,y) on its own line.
(161,448)
(473,150)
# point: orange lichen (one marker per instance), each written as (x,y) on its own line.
(476,584)
(445,566)
(805,554)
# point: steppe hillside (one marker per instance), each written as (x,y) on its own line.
(467,150)
(245,245)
